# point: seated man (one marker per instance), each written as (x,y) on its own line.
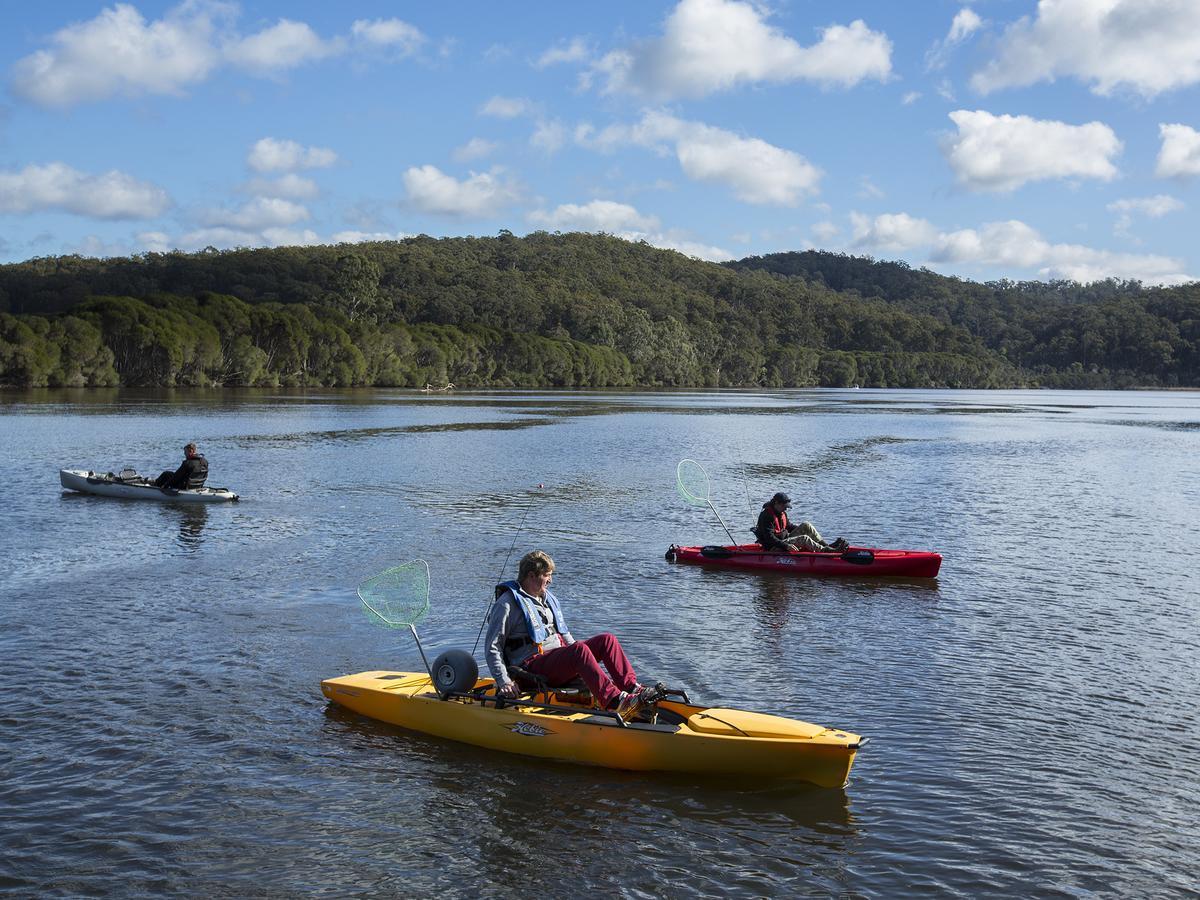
(526,629)
(774,531)
(192,473)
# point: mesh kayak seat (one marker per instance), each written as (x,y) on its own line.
(740,723)
(574,691)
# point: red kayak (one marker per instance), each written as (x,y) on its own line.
(856,561)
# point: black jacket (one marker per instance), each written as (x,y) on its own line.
(192,474)
(765,529)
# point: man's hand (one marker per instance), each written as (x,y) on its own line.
(509,690)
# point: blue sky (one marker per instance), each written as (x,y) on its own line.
(996,138)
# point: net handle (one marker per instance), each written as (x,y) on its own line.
(706,499)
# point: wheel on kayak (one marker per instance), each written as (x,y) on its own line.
(455,671)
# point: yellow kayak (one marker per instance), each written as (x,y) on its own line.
(680,737)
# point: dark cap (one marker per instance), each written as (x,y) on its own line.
(783,498)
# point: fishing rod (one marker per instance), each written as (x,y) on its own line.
(488,612)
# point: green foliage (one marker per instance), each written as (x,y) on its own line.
(572,310)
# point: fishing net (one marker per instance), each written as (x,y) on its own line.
(398,597)
(692,482)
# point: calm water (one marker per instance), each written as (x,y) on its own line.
(1034,712)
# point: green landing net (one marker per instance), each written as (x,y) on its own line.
(692,483)
(398,598)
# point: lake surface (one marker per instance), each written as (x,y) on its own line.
(1033,713)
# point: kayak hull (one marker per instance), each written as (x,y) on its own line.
(903,563)
(88,482)
(701,741)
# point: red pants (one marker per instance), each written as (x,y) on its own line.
(582,659)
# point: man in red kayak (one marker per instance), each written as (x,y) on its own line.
(526,629)
(775,532)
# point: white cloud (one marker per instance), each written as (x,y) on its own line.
(573,52)
(360,237)
(154,241)
(1001,153)
(273,155)
(548,136)
(756,171)
(715,45)
(598,215)
(284,45)
(891,231)
(1011,245)
(258,214)
(966,22)
(482,194)
(1179,156)
(869,189)
(397,34)
(475,148)
(826,231)
(118,52)
(113,195)
(291,186)
(1147,46)
(225,237)
(1152,207)
(910,98)
(696,249)
(507,107)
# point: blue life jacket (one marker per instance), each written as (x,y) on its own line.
(538,632)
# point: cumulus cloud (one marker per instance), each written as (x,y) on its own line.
(1012,245)
(715,45)
(966,22)
(1152,207)
(598,215)
(1147,46)
(273,155)
(548,136)
(395,34)
(507,107)
(573,52)
(475,148)
(1001,153)
(291,186)
(113,195)
(756,172)
(119,52)
(257,214)
(431,190)
(826,231)
(361,237)
(284,45)
(1179,155)
(891,231)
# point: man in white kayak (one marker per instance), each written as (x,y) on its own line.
(191,474)
(774,531)
(526,629)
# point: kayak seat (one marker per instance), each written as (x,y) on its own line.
(574,691)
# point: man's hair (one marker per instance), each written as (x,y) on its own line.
(189,448)
(535,562)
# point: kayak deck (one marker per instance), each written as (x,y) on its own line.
(855,561)
(686,738)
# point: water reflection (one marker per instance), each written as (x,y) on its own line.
(192,519)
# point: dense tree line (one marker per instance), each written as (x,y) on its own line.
(568,310)
(1061,333)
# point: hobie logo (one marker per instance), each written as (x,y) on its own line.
(785,561)
(529,729)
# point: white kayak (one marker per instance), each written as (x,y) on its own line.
(136,488)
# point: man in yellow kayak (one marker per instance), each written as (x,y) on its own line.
(526,629)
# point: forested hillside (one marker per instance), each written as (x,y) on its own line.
(570,310)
